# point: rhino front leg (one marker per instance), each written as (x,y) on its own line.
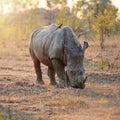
(51,74)
(59,69)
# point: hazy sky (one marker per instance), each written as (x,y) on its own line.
(116,3)
(70,2)
(43,4)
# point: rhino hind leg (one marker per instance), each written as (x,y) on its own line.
(51,74)
(38,73)
(59,69)
(37,68)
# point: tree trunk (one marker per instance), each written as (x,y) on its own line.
(102,38)
(89,22)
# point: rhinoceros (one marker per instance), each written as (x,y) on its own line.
(58,48)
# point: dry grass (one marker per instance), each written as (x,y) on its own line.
(98,101)
(107,59)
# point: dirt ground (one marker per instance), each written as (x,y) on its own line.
(22,99)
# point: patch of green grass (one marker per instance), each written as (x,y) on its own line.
(102,64)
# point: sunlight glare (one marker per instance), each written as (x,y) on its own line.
(43,4)
(7,8)
(116,3)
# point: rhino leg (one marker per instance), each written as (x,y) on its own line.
(51,74)
(59,69)
(37,68)
(38,73)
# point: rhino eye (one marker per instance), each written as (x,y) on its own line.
(72,72)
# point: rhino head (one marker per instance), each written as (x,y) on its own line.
(75,67)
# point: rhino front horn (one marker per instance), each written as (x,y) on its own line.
(85,80)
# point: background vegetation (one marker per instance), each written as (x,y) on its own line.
(96,20)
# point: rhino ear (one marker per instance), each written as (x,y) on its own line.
(85,46)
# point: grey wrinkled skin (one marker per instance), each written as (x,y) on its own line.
(58,48)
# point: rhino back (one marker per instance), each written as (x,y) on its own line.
(45,44)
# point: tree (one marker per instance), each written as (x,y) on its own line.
(98,16)
(104,19)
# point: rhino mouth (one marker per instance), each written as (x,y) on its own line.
(80,85)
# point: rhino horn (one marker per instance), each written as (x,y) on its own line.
(85,46)
(85,80)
